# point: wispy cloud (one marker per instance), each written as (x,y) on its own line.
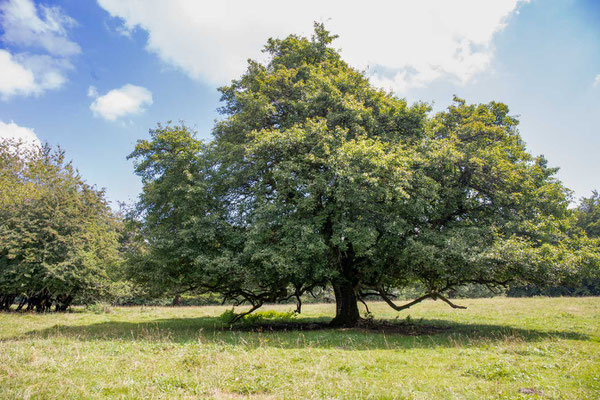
(596,80)
(40,52)
(127,100)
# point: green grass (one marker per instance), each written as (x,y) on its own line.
(497,348)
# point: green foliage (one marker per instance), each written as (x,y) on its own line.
(59,240)
(315,178)
(583,248)
(588,215)
(228,316)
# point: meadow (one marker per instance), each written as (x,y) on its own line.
(496,349)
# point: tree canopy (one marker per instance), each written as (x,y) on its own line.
(588,214)
(314,178)
(59,240)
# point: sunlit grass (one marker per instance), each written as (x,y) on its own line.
(497,348)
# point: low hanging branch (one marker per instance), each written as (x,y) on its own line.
(242,315)
(433,296)
(405,306)
(439,296)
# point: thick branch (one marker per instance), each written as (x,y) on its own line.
(433,296)
(439,296)
(242,315)
(404,306)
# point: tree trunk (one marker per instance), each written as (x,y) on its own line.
(346,307)
(6,301)
(22,303)
(63,302)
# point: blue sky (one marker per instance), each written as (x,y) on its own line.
(93,77)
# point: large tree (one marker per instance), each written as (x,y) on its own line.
(59,240)
(314,178)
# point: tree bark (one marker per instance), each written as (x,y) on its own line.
(176,300)
(346,306)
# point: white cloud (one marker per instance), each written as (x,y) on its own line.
(126,100)
(403,44)
(16,132)
(15,78)
(26,74)
(43,49)
(597,80)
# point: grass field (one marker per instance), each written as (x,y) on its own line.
(497,348)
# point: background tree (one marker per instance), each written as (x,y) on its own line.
(583,242)
(588,214)
(315,178)
(59,240)
(587,218)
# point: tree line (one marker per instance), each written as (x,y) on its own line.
(313,180)
(59,239)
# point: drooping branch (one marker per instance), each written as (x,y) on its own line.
(432,295)
(445,300)
(404,306)
(242,315)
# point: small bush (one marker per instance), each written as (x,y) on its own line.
(227,316)
(269,316)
